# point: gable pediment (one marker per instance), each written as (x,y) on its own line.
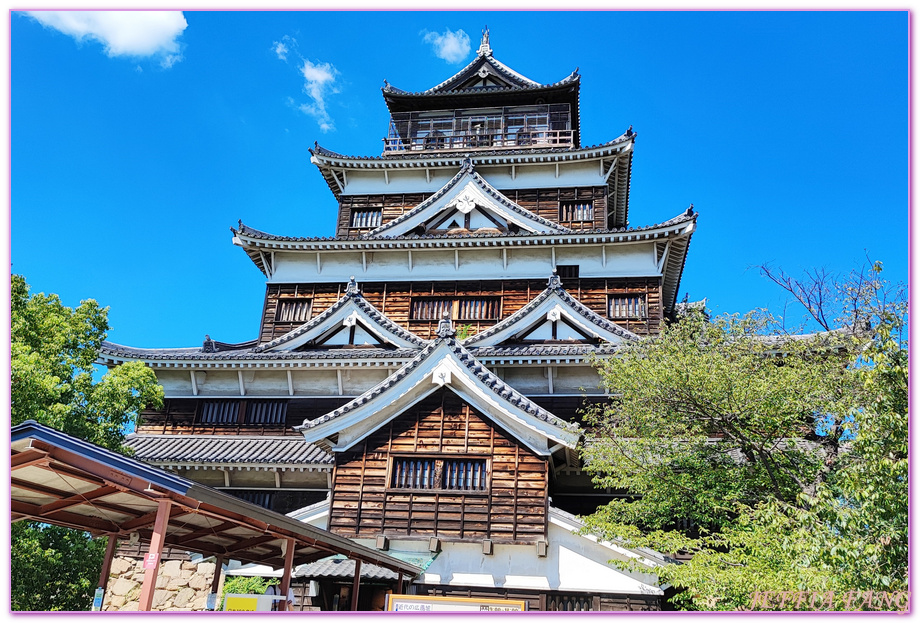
(467,204)
(443,364)
(350,322)
(554,315)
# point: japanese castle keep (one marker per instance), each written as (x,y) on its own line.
(416,378)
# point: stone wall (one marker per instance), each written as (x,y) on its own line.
(181,585)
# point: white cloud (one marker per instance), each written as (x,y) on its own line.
(281,50)
(123,33)
(320,81)
(453,47)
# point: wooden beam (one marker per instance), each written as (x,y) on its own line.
(63,518)
(27,458)
(107,563)
(355,585)
(239,374)
(28,486)
(145,521)
(289,547)
(152,559)
(78,499)
(194,382)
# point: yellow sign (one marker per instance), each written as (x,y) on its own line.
(424,603)
(241,604)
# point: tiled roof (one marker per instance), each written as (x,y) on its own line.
(481,65)
(467,169)
(543,350)
(684,217)
(342,568)
(225,449)
(352,296)
(554,287)
(501,389)
(195,354)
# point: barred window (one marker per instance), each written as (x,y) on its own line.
(445,474)
(576,211)
(458,308)
(219,412)
(627,306)
(293,310)
(567,271)
(366,218)
(257,412)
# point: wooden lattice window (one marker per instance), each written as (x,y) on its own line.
(567,271)
(256,412)
(458,308)
(266,411)
(627,306)
(576,211)
(219,412)
(366,218)
(293,310)
(447,474)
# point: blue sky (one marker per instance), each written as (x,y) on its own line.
(137,141)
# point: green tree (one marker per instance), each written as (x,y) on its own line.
(786,452)
(53,350)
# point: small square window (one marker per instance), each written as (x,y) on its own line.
(565,272)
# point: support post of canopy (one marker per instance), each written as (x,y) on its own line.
(355,586)
(399,584)
(215,581)
(152,559)
(289,546)
(107,564)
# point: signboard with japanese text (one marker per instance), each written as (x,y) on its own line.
(424,603)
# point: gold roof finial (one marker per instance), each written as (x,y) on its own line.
(484,48)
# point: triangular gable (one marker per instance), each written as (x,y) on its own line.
(443,363)
(484,72)
(351,321)
(554,315)
(467,202)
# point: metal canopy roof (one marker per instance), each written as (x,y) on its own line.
(61,480)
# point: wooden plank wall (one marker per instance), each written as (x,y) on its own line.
(543,202)
(511,510)
(393,299)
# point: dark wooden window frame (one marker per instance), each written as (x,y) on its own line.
(621,305)
(235,412)
(294,309)
(437,471)
(366,218)
(578,211)
(459,306)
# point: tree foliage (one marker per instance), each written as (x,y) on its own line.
(53,350)
(785,454)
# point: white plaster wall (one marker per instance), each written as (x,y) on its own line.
(175,382)
(265,382)
(573,563)
(315,383)
(529,380)
(218,383)
(372,181)
(576,379)
(622,260)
